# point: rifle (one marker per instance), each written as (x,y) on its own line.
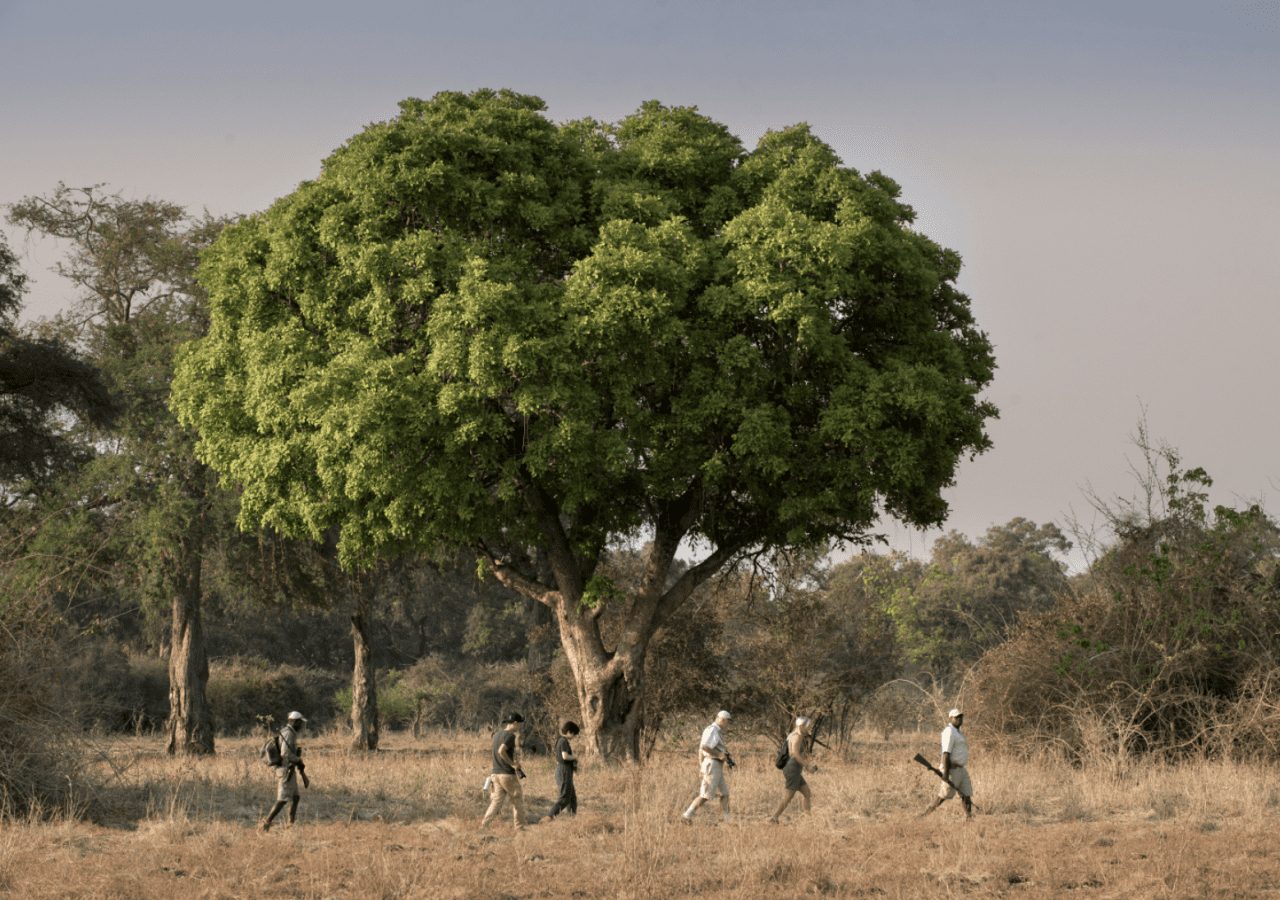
(936,771)
(301,769)
(813,733)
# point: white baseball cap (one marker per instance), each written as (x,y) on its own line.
(954,712)
(296,716)
(723,714)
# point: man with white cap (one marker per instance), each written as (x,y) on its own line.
(286,773)
(955,765)
(713,756)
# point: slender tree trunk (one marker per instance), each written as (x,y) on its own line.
(190,724)
(364,689)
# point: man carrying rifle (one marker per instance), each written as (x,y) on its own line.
(955,766)
(713,756)
(290,767)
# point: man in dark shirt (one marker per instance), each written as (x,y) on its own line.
(506,772)
(566,763)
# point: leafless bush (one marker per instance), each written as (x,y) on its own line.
(903,705)
(40,754)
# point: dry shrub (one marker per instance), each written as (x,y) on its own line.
(1249,726)
(40,758)
(117,690)
(903,705)
(1166,645)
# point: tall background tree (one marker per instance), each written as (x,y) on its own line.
(132,263)
(479,328)
(970,595)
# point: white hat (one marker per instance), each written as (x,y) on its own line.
(296,716)
(954,712)
(803,721)
(724,714)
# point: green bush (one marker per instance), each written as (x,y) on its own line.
(114,690)
(1166,645)
(454,694)
(240,690)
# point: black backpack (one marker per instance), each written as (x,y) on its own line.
(784,756)
(271,752)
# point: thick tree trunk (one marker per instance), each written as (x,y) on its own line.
(610,690)
(190,724)
(364,690)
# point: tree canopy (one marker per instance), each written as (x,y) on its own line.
(970,595)
(479,327)
(44,387)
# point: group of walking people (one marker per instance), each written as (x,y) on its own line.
(503,784)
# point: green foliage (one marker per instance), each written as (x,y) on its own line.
(799,637)
(453,692)
(472,306)
(241,691)
(140,503)
(600,591)
(397,701)
(970,596)
(495,633)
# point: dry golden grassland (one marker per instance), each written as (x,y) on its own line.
(403,823)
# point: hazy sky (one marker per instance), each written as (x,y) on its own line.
(1109,171)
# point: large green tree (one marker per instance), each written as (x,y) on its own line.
(478,327)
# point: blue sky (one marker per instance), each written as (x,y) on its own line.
(1108,171)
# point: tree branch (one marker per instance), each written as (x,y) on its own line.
(560,555)
(510,577)
(691,579)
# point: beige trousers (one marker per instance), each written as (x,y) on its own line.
(507,786)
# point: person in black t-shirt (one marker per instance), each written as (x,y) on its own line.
(506,772)
(566,763)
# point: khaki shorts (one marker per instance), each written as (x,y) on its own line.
(959,782)
(713,782)
(286,785)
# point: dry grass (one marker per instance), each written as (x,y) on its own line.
(404,824)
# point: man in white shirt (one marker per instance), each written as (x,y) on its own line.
(713,756)
(955,765)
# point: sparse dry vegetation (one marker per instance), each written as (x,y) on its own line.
(39,746)
(403,823)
